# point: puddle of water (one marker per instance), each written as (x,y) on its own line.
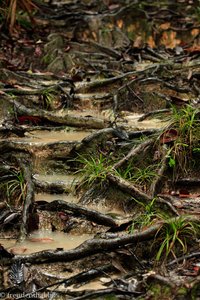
(44,240)
(57,178)
(106,210)
(146,124)
(115,212)
(94,285)
(51,197)
(45,136)
(87,113)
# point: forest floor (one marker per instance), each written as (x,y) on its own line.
(99,140)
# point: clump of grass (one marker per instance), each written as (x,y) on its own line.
(174,236)
(93,170)
(141,176)
(145,218)
(13,187)
(48,97)
(186,122)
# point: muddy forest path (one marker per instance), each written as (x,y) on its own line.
(99,143)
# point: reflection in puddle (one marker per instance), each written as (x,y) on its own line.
(45,240)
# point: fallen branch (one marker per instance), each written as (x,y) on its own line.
(94,246)
(101,83)
(129,188)
(109,51)
(53,150)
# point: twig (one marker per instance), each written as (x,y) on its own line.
(79,278)
(182,258)
(157,183)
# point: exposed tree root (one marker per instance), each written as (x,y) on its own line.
(135,151)
(89,214)
(84,122)
(29,200)
(89,247)
(94,246)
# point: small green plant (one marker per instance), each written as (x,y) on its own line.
(140,176)
(126,173)
(174,236)
(14,187)
(48,98)
(172,162)
(93,170)
(145,218)
(144,176)
(186,122)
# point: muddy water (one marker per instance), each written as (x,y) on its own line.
(129,120)
(60,178)
(100,207)
(44,240)
(132,121)
(51,197)
(45,136)
(87,113)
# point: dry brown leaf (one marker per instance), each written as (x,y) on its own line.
(165,26)
(120,23)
